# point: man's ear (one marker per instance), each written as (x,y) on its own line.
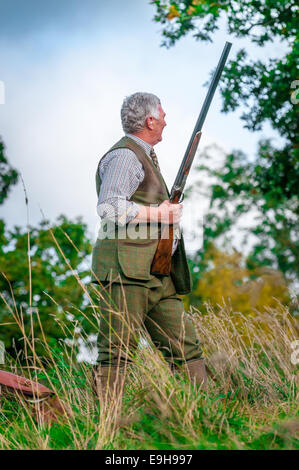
(149,122)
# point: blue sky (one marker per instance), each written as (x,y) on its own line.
(67,65)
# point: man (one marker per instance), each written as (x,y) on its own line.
(131,193)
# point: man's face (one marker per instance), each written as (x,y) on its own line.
(158,126)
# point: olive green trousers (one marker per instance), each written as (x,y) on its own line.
(154,309)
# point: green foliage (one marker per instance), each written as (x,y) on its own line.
(265,188)
(224,277)
(8,175)
(38,285)
(267,90)
(257,19)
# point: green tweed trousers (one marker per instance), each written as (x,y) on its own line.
(154,308)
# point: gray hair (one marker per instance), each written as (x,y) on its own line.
(136,108)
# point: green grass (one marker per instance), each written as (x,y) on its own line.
(217,421)
(253,404)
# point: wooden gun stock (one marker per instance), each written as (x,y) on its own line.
(162,260)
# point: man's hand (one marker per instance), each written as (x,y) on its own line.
(169,213)
(166,213)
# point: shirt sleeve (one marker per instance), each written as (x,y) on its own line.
(121,173)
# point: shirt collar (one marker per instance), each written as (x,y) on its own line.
(147,147)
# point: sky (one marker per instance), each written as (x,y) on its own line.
(66,67)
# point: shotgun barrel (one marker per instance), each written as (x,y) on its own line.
(200,121)
(161,264)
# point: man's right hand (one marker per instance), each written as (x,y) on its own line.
(169,213)
(166,213)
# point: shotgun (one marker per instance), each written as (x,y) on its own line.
(161,264)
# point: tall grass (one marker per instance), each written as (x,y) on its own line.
(252,401)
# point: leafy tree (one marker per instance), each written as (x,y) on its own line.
(225,278)
(267,90)
(44,285)
(8,175)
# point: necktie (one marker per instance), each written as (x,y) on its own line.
(154,158)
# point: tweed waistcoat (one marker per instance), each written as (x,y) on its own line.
(127,252)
